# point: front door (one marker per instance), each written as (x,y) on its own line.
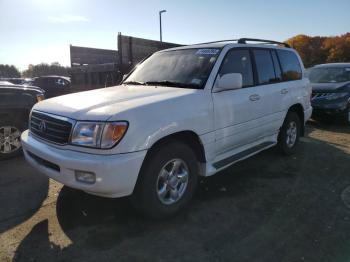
(237,112)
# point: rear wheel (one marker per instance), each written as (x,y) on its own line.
(10,138)
(288,138)
(167,181)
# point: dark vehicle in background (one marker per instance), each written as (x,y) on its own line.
(53,85)
(330,91)
(16,102)
(17,81)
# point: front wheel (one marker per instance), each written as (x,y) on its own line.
(167,181)
(289,135)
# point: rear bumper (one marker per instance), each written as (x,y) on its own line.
(116,175)
(307,114)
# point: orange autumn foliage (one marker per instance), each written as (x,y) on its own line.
(319,49)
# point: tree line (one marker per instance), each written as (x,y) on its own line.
(43,69)
(320,49)
(313,50)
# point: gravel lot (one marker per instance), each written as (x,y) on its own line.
(266,208)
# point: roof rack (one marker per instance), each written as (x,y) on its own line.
(219,41)
(244,41)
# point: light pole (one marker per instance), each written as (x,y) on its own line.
(160,23)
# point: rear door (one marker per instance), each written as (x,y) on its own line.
(274,92)
(292,77)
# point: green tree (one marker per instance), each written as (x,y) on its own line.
(9,71)
(46,69)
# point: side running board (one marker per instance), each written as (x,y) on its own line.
(234,158)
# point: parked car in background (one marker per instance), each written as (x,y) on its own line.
(53,85)
(330,91)
(182,113)
(15,104)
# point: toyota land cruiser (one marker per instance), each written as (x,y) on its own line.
(182,113)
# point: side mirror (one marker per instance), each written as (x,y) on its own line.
(228,82)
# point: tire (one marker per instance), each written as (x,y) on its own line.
(289,135)
(154,195)
(10,135)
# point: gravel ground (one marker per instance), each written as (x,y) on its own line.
(266,208)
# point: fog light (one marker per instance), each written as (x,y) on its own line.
(85,177)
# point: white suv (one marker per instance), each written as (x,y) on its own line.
(182,113)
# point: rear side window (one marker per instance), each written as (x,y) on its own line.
(264,66)
(291,69)
(238,61)
(278,71)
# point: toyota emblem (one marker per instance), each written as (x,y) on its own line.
(42,126)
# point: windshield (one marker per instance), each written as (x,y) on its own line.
(188,68)
(329,74)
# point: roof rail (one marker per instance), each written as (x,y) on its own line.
(244,41)
(219,41)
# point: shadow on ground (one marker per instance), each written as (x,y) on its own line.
(267,208)
(336,126)
(22,192)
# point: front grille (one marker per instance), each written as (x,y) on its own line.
(50,127)
(320,95)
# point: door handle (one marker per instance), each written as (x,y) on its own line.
(284,91)
(254,97)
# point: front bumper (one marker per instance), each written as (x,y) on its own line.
(330,108)
(116,175)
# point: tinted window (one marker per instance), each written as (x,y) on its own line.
(276,64)
(264,66)
(291,69)
(238,61)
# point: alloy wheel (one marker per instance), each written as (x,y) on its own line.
(172,181)
(9,139)
(291,137)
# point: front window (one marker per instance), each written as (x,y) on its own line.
(329,74)
(186,68)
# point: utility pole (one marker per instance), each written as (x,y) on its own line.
(160,23)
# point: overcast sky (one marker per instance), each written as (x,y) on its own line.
(35,31)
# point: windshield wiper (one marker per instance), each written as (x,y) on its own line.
(134,83)
(172,84)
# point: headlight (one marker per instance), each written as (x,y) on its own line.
(40,97)
(97,134)
(334,96)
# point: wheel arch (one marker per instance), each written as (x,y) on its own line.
(188,137)
(299,110)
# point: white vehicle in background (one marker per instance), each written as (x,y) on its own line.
(184,112)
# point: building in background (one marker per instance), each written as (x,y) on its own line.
(93,68)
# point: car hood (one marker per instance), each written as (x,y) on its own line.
(101,104)
(327,87)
